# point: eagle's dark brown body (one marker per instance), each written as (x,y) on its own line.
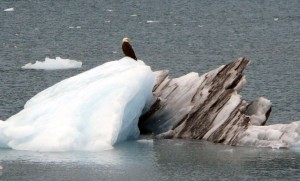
(127,49)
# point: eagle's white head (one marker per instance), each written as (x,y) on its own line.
(125,40)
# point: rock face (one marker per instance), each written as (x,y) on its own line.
(204,107)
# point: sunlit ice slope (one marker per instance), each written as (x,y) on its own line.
(90,111)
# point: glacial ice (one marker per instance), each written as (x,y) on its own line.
(90,111)
(209,107)
(274,136)
(53,64)
(9,9)
(103,106)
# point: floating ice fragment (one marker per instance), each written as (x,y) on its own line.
(228,150)
(152,21)
(200,26)
(72,27)
(145,141)
(1,167)
(52,64)
(109,10)
(274,136)
(275,19)
(133,15)
(107,21)
(9,9)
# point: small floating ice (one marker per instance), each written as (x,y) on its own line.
(76,27)
(228,150)
(152,21)
(148,141)
(1,167)
(53,64)
(9,9)
(107,21)
(133,15)
(276,19)
(109,10)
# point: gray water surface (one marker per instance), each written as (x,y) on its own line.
(185,36)
(181,36)
(148,159)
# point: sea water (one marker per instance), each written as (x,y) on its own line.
(149,159)
(181,36)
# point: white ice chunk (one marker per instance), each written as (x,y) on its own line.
(72,27)
(274,136)
(147,141)
(54,64)
(257,111)
(152,21)
(9,9)
(90,111)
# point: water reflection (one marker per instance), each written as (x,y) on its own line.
(155,160)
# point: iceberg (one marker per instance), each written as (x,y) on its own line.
(209,107)
(119,100)
(54,64)
(90,111)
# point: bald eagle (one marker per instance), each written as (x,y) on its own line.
(127,49)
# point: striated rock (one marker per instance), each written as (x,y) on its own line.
(204,107)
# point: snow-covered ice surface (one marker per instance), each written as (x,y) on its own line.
(53,64)
(90,111)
